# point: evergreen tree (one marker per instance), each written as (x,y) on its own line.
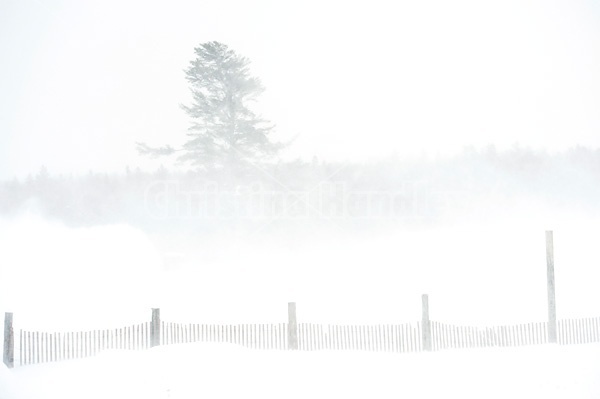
(225,131)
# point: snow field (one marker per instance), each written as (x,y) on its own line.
(226,371)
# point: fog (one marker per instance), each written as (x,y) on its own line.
(428,147)
(64,278)
(82,82)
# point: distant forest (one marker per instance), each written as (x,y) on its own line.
(473,185)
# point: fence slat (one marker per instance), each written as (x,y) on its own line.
(41,347)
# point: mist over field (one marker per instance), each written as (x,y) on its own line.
(360,247)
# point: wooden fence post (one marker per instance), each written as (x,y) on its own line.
(155,328)
(292,327)
(552,328)
(425,324)
(9,341)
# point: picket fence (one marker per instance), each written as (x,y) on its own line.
(426,335)
(39,347)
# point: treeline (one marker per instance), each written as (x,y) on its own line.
(473,184)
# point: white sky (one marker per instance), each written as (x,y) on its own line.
(81,82)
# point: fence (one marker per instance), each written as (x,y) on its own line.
(258,336)
(39,347)
(426,335)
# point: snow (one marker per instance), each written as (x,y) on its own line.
(118,273)
(251,279)
(227,371)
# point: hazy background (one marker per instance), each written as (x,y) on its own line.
(80,82)
(485,116)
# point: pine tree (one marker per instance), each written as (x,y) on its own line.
(225,131)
